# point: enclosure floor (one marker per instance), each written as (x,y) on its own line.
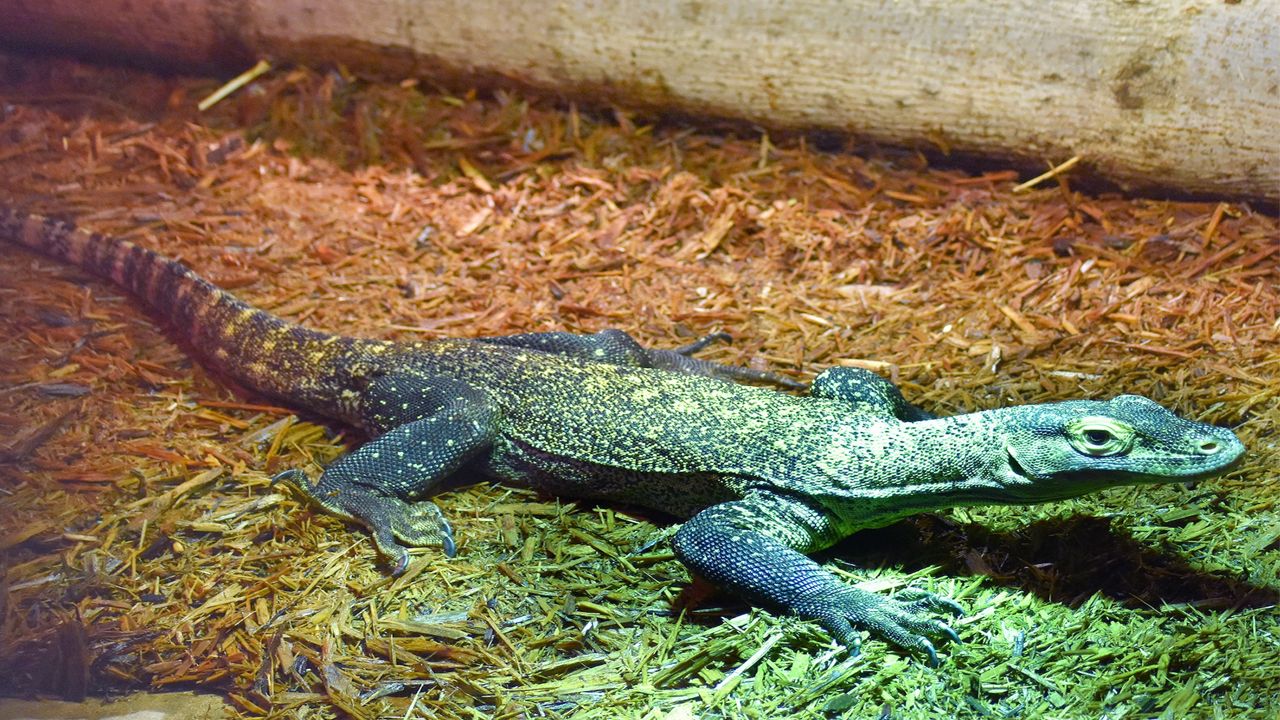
(144,546)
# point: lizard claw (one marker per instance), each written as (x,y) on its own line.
(951,634)
(446,542)
(401,563)
(927,647)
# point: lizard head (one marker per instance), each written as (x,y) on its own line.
(1069,448)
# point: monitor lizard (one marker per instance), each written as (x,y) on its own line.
(762,478)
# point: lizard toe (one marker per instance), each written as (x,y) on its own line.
(422,523)
(842,631)
(293,476)
(397,556)
(703,342)
(301,483)
(910,633)
(917,600)
(907,616)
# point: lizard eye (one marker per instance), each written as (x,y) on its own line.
(1099,436)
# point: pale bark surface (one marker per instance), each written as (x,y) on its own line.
(1181,95)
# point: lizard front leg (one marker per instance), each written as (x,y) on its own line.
(381,484)
(756,547)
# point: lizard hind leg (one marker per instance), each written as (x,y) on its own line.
(381,484)
(681,359)
(616,347)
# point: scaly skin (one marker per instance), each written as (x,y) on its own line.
(763,477)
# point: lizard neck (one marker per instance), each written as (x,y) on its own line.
(879,471)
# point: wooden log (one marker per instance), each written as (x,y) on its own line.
(1180,95)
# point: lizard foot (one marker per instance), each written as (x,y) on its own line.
(387,517)
(422,523)
(417,524)
(901,622)
(681,360)
(703,342)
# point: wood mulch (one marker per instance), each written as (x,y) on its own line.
(144,546)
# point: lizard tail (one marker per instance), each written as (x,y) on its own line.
(253,347)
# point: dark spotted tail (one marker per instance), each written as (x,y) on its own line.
(259,350)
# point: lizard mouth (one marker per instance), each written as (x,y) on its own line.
(1028,478)
(1016,467)
(1021,483)
(1026,486)
(1054,486)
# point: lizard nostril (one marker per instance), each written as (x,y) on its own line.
(1209,447)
